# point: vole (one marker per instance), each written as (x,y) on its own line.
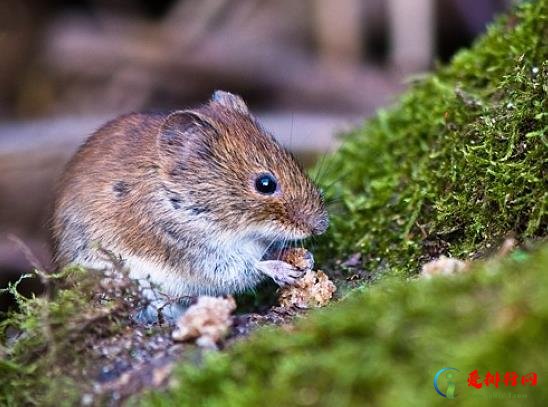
(190,200)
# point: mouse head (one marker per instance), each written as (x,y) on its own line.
(231,176)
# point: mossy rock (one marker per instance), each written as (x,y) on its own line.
(457,165)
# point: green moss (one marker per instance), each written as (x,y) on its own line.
(46,346)
(457,164)
(383,345)
(37,345)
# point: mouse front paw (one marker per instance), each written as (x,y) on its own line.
(282,273)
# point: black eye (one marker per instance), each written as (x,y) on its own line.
(265,184)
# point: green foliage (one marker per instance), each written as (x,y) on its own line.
(45,344)
(383,345)
(37,344)
(458,164)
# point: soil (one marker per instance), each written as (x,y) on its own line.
(142,357)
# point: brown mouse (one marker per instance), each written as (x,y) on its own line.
(190,200)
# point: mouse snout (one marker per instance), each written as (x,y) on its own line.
(314,224)
(320,225)
(309,222)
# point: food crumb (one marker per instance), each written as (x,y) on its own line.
(207,321)
(300,258)
(443,266)
(313,290)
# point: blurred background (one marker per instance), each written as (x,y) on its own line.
(309,69)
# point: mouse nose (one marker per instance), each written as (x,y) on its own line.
(320,226)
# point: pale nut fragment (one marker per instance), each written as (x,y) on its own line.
(443,266)
(207,321)
(313,290)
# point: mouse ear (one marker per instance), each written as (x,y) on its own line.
(230,101)
(185,134)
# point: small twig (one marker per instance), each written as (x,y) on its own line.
(423,231)
(30,257)
(117,261)
(507,246)
(45,278)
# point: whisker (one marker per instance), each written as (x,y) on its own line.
(312,244)
(317,176)
(268,247)
(345,140)
(280,251)
(291,131)
(335,181)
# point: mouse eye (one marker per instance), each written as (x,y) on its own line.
(266,184)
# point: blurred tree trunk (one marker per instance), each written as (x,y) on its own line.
(338,26)
(411,25)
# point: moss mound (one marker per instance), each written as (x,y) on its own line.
(34,341)
(47,346)
(458,164)
(384,344)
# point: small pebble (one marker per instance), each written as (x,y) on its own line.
(87,399)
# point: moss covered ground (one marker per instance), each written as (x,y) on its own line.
(57,347)
(383,344)
(454,168)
